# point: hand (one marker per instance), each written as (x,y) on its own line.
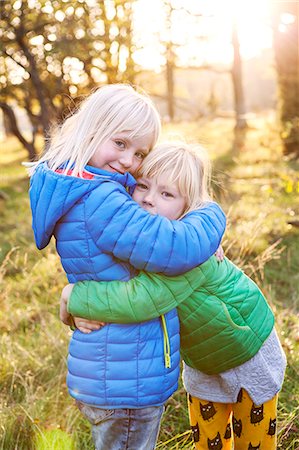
(87,326)
(84,325)
(219,254)
(65,316)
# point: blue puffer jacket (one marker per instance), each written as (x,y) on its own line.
(102,234)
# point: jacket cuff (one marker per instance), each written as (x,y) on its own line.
(78,302)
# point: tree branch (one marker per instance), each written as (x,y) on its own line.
(8,111)
(14,60)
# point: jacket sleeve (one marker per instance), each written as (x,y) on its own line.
(118,225)
(142,298)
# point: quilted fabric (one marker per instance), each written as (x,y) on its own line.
(101,234)
(224,316)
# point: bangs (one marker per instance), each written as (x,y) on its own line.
(141,121)
(165,159)
(156,169)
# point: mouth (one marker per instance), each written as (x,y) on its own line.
(113,169)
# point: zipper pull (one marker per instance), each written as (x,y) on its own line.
(167,361)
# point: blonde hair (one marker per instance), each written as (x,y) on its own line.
(188,165)
(111,109)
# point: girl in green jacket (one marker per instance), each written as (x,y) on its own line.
(233,361)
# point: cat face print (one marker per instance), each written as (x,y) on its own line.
(195,432)
(252,447)
(237,426)
(240,396)
(228,432)
(272,427)
(207,410)
(216,443)
(256,413)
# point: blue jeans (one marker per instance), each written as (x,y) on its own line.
(124,429)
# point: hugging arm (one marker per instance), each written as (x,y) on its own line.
(142,298)
(152,242)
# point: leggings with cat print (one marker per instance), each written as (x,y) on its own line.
(216,426)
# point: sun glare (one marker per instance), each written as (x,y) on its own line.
(206,40)
(252,19)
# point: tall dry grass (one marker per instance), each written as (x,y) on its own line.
(258,191)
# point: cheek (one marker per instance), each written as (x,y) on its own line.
(96,160)
(179,209)
(165,209)
(137,196)
(135,166)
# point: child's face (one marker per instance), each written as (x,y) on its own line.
(157,196)
(121,153)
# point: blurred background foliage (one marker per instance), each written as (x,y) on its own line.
(197,58)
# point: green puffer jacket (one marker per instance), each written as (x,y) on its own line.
(224,317)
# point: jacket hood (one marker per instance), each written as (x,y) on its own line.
(53,194)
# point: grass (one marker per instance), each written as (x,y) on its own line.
(259,191)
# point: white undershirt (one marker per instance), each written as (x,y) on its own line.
(261,376)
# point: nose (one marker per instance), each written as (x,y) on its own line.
(148,199)
(126,160)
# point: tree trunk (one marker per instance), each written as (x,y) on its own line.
(36,81)
(10,115)
(286,48)
(238,81)
(6,125)
(170,80)
(170,57)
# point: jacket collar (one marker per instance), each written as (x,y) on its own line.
(126,179)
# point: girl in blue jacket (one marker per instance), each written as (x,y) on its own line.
(120,375)
(234,361)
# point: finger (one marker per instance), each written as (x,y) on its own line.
(87,325)
(92,322)
(84,330)
(87,322)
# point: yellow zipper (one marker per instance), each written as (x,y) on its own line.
(166,344)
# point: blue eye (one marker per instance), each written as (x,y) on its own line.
(120,144)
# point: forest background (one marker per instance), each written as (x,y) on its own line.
(221,73)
